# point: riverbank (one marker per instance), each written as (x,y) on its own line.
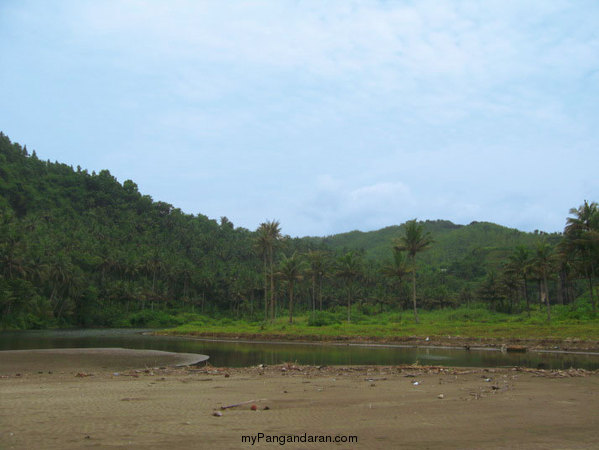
(545,344)
(384,407)
(460,327)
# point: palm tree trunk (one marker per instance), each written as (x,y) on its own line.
(526,296)
(414,294)
(265,288)
(349,292)
(546,295)
(320,292)
(272,285)
(561,287)
(590,276)
(291,302)
(313,293)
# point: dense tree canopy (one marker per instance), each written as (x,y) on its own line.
(81,249)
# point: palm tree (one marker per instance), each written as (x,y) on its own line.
(414,241)
(520,264)
(153,265)
(543,263)
(291,270)
(61,278)
(582,238)
(261,246)
(349,268)
(488,290)
(317,261)
(270,233)
(398,268)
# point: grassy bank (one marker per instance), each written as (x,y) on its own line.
(474,323)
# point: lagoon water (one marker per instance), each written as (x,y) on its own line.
(244,353)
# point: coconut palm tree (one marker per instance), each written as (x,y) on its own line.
(414,241)
(543,264)
(520,264)
(398,268)
(317,261)
(261,246)
(291,270)
(582,240)
(269,233)
(349,268)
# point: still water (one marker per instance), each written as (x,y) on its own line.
(238,354)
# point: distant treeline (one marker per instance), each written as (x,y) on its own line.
(81,249)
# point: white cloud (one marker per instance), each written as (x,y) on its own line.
(422,109)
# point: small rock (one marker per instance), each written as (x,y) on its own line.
(217,414)
(266,408)
(441,396)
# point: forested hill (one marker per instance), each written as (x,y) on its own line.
(477,242)
(80,247)
(83,249)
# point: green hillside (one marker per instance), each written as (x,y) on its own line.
(455,245)
(82,249)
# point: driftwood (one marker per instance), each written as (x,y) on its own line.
(242,403)
(516,348)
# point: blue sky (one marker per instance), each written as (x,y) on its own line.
(329,116)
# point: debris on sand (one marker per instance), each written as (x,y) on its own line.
(243,403)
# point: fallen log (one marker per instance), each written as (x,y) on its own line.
(242,403)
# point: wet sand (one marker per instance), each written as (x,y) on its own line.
(82,359)
(385,407)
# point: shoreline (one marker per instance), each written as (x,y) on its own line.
(549,345)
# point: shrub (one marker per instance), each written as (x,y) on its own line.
(322,318)
(154,319)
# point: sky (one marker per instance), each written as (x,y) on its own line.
(328,116)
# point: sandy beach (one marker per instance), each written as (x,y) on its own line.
(50,405)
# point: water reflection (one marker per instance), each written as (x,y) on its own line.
(237,354)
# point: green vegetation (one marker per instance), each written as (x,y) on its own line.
(572,321)
(81,249)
